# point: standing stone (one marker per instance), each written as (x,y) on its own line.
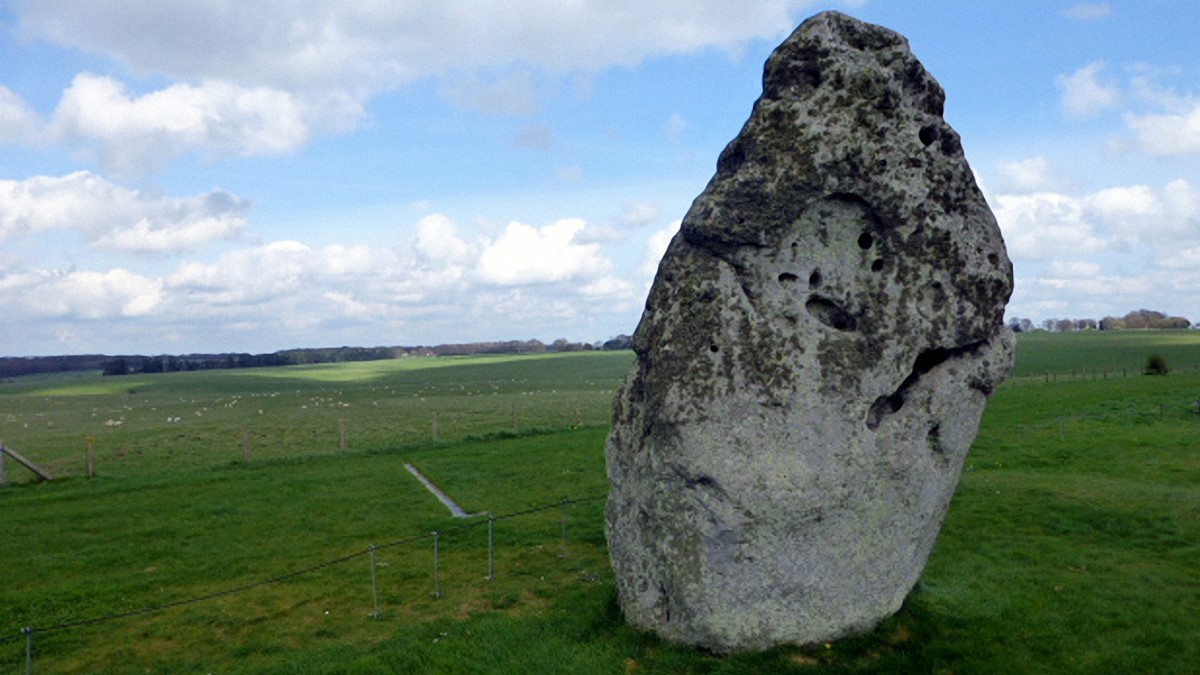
(813,361)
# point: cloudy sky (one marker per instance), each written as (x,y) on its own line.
(201,175)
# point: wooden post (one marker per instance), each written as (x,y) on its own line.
(342,434)
(39,471)
(514,416)
(436,431)
(2,477)
(245,445)
(91,465)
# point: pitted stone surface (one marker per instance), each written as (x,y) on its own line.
(813,361)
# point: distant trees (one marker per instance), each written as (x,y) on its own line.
(564,345)
(167,363)
(1143,318)
(128,365)
(1140,319)
(1019,325)
(506,347)
(619,342)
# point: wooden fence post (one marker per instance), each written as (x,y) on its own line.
(39,471)
(342,434)
(2,477)
(436,431)
(245,445)
(91,465)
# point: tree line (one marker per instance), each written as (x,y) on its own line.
(1140,319)
(166,363)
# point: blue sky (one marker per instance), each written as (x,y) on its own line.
(215,176)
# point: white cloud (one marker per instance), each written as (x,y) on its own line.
(640,213)
(1139,214)
(113,217)
(280,78)
(438,274)
(135,133)
(438,241)
(1074,269)
(1089,11)
(656,247)
(1051,226)
(1167,134)
(1185,259)
(147,237)
(528,255)
(1043,225)
(1104,252)
(116,293)
(1163,121)
(511,94)
(1028,175)
(356,46)
(18,121)
(1084,95)
(608,287)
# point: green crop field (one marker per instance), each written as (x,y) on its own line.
(241,507)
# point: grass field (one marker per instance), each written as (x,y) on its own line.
(140,425)
(1071,545)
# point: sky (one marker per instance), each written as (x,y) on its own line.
(187,176)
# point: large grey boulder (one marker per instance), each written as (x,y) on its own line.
(813,360)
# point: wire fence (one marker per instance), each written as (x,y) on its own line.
(29,633)
(137,441)
(1090,374)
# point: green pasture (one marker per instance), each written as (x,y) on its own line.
(1071,545)
(145,424)
(1103,354)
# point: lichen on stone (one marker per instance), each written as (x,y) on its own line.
(813,360)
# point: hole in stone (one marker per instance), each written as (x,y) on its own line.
(993,259)
(865,240)
(877,266)
(814,279)
(714,349)
(928,135)
(787,278)
(884,405)
(830,314)
(930,359)
(934,439)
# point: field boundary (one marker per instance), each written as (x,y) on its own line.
(28,632)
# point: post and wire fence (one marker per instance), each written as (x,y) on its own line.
(29,634)
(115,452)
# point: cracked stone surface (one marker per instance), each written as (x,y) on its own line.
(813,360)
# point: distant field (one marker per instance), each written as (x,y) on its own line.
(1070,547)
(1097,353)
(164,422)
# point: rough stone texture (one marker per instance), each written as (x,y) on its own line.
(813,361)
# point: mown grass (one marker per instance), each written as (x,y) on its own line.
(1070,546)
